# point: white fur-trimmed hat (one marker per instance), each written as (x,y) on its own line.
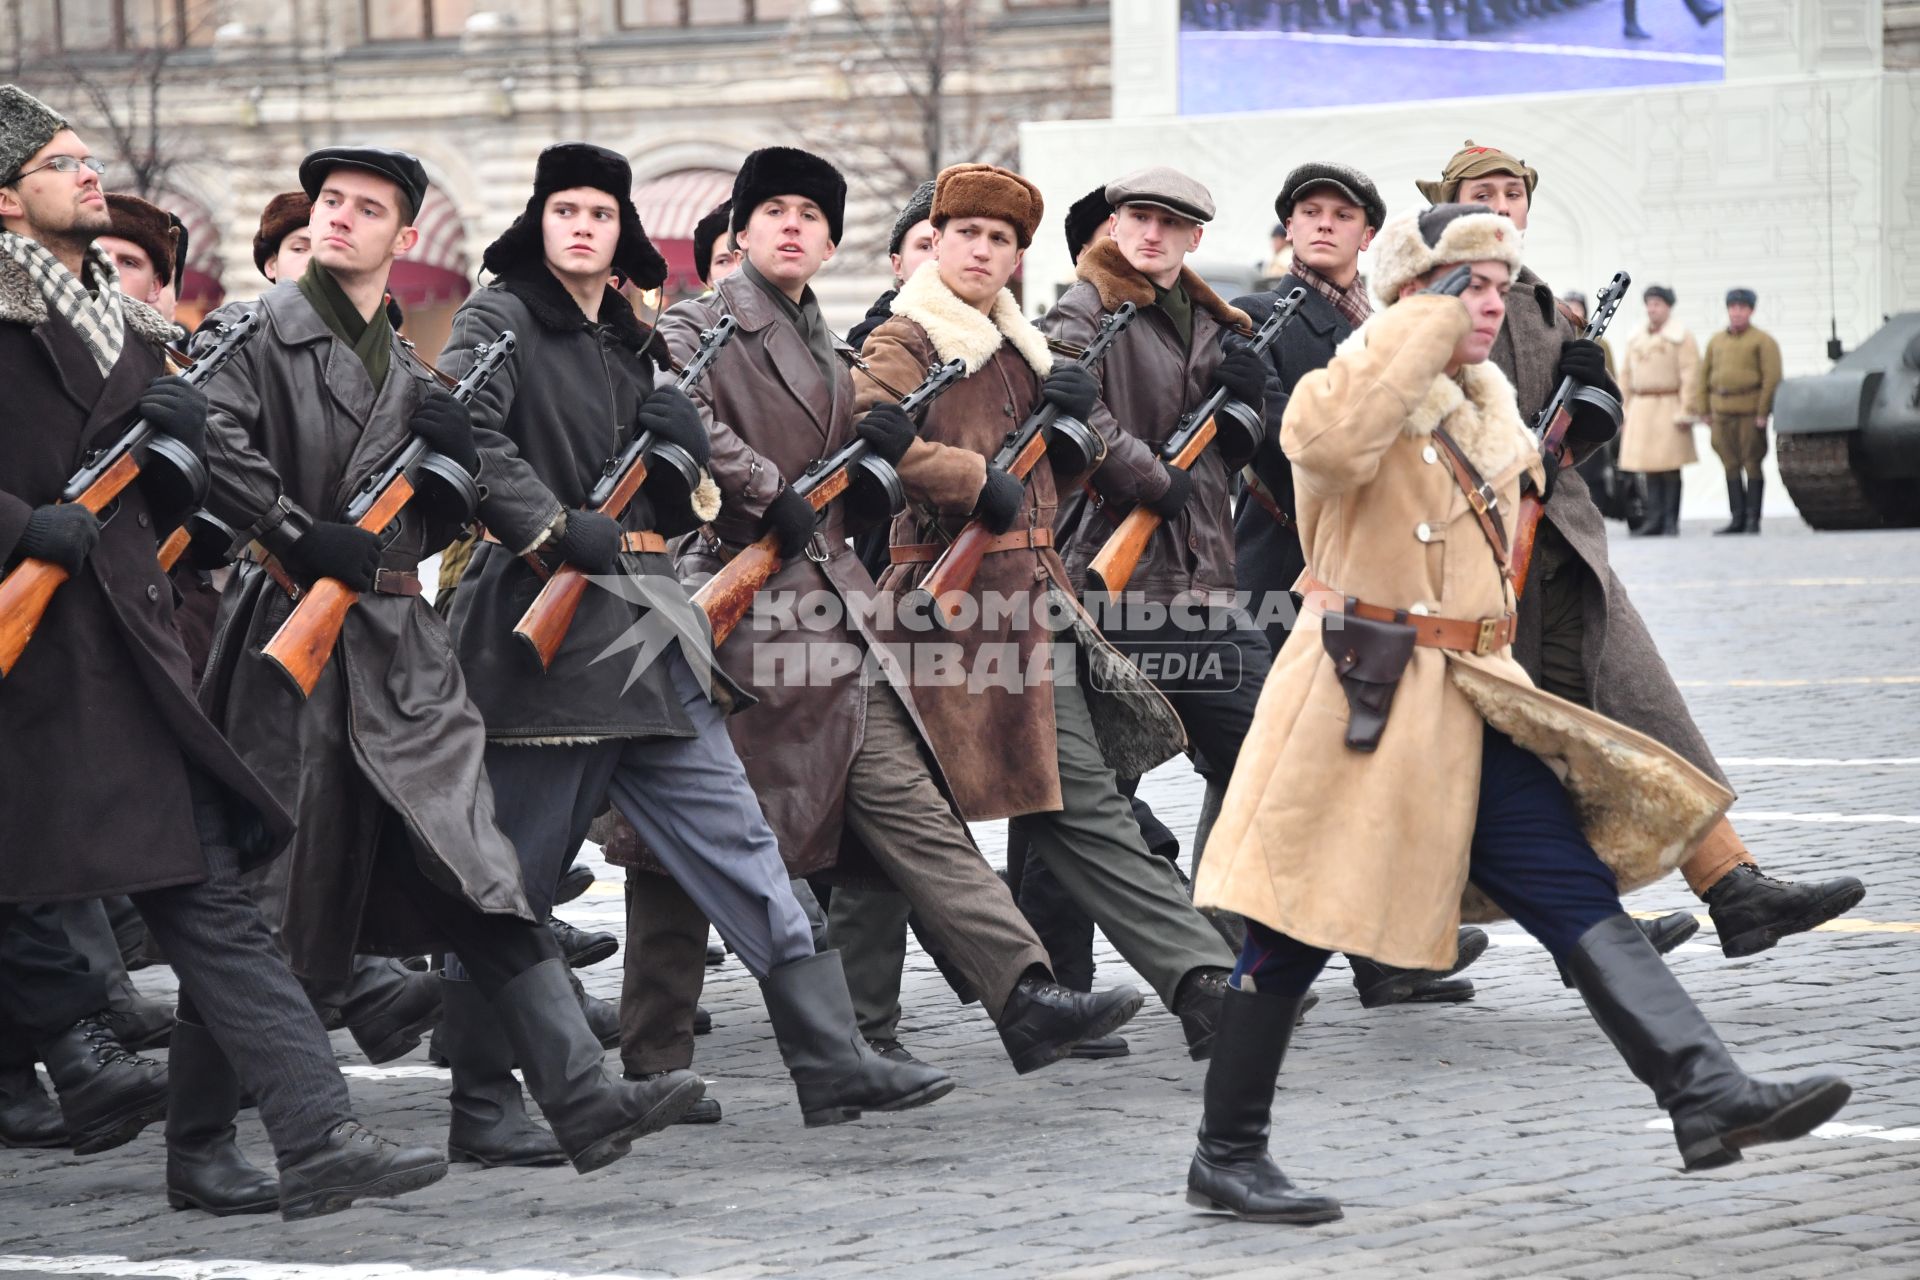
(1446,235)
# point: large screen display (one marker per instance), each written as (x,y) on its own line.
(1271,55)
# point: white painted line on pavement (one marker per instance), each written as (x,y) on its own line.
(1834,1130)
(1779,815)
(1474,46)
(1797,682)
(1770,583)
(1819,762)
(108,1264)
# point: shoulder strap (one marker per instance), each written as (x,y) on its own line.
(1480,495)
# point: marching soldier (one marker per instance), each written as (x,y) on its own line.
(284,241)
(714,255)
(1738,376)
(1475,788)
(1580,637)
(397,848)
(111,779)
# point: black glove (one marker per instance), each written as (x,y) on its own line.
(887,430)
(1244,375)
(590,540)
(1454,283)
(342,551)
(1001,499)
(790,519)
(1174,500)
(64,534)
(668,413)
(1582,360)
(1072,388)
(443,423)
(176,407)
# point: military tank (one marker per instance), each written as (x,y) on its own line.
(1849,440)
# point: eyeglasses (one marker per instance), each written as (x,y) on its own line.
(67,164)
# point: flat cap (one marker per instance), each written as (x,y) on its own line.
(1354,185)
(1744,297)
(1163,188)
(403,170)
(26,125)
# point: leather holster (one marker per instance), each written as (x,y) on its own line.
(1369,657)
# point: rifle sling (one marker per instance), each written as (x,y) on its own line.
(1480,495)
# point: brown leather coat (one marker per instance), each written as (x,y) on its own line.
(991,712)
(771,414)
(1148,380)
(295,416)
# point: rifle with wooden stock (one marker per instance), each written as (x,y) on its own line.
(300,648)
(26,592)
(942,592)
(1552,425)
(544,625)
(869,483)
(1114,563)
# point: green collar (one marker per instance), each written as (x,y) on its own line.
(371,340)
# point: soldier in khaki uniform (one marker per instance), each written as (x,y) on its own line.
(1738,376)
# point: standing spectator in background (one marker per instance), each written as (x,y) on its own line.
(1280,259)
(1738,378)
(1658,378)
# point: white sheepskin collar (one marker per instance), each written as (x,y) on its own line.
(1478,409)
(959,331)
(1672,331)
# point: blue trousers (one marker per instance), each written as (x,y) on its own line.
(1528,855)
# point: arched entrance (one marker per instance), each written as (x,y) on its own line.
(669,207)
(433,280)
(200,287)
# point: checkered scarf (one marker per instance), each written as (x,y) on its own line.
(96,315)
(1350,302)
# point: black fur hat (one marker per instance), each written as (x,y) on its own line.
(789,171)
(1084,217)
(706,233)
(563,167)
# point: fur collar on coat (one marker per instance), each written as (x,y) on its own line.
(1108,271)
(21,302)
(960,331)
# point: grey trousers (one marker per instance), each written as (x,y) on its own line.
(1093,847)
(688,798)
(868,927)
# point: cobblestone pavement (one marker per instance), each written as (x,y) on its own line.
(1496,1139)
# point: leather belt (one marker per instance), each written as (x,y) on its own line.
(1012,540)
(1480,636)
(386,582)
(633,540)
(1260,495)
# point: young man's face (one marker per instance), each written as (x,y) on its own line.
(787,240)
(51,204)
(580,229)
(138,280)
(290,262)
(359,223)
(723,260)
(1328,232)
(1739,316)
(977,257)
(915,248)
(1504,193)
(1486,303)
(1155,241)
(1657,312)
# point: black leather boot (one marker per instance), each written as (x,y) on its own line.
(1756,488)
(107,1095)
(1718,1110)
(705,1111)
(1232,1171)
(1101,1047)
(1673,504)
(1666,933)
(388,1007)
(489,1125)
(1043,1021)
(1703,12)
(1751,910)
(595,1117)
(1632,29)
(603,1016)
(1736,506)
(136,1021)
(205,1169)
(577,879)
(835,1073)
(354,1163)
(1197,1004)
(583,949)
(1380,985)
(28,1117)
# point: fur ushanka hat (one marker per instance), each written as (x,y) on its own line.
(987,191)
(563,167)
(1446,235)
(789,171)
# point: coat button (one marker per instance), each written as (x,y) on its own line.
(1430,453)
(1423,531)
(1419,609)
(153,594)
(143,520)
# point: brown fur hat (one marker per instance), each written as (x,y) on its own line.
(987,191)
(146,225)
(284,214)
